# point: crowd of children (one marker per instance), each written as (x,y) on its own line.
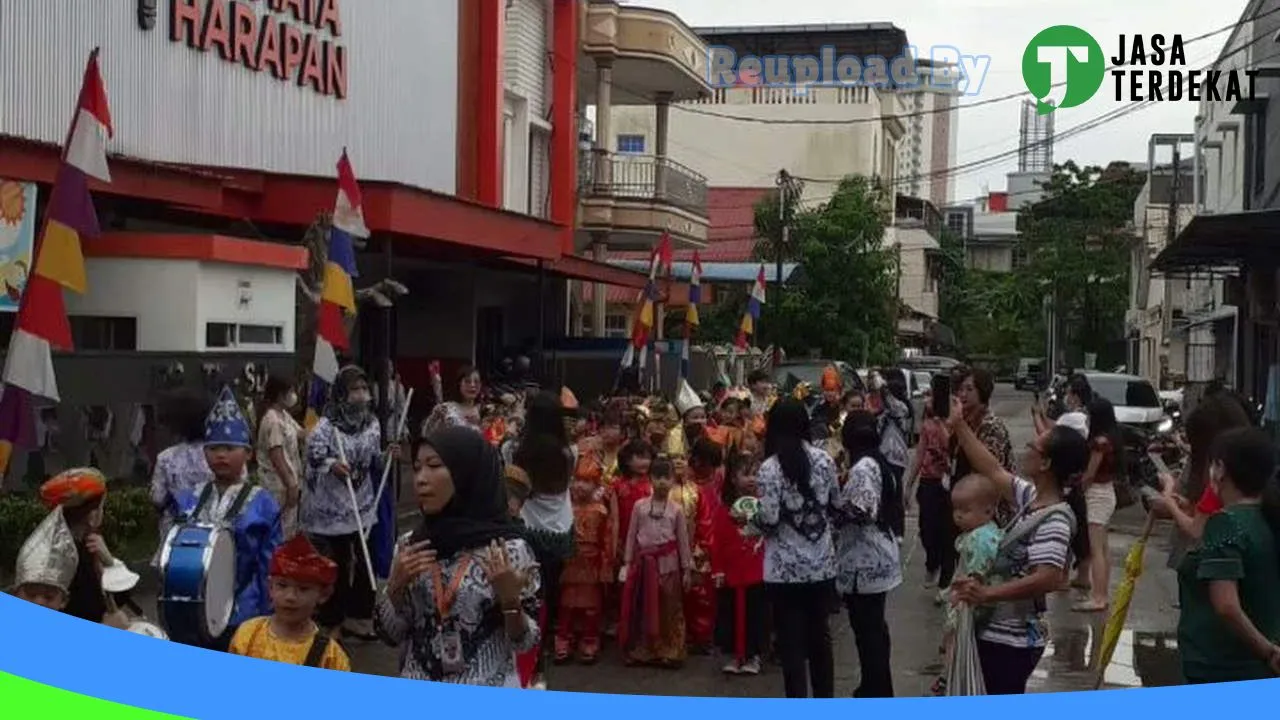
(659,564)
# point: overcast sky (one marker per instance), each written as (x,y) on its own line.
(1001,29)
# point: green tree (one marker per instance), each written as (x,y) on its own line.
(1078,240)
(841,302)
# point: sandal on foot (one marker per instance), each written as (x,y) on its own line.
(1089,606)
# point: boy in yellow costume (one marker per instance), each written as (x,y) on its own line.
(301,580)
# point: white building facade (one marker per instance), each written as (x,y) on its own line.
(928,151)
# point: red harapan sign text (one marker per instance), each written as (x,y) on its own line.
(281,37)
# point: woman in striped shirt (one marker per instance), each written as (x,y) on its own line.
(1049,514)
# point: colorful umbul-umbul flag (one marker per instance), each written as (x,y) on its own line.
(42,325)
(337,296)
(755,302)
(642,336)
(691,320)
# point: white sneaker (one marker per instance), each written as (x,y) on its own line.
(751,667)
(732,668)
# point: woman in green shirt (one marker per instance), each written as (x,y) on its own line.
(1230,586)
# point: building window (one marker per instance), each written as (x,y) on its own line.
(955,223)
(615,326)
(631,144)
(232,335)
(103,334)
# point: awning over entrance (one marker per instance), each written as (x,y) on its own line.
(404,212)
(590,271)
(1215,241)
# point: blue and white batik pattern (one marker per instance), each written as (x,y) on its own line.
(326,503)
(867,554)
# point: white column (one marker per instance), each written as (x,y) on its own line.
(604,117)
(661,124)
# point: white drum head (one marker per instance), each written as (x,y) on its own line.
(219,583)
(142,627)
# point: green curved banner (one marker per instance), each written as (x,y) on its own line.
(21,699)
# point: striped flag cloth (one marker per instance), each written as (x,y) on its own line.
(749,319)
(642,329)
(337,296)
(42,324)
(691,320)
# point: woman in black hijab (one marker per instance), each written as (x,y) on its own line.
(463,589)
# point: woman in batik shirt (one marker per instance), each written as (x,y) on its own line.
(182,467)
(464,412)
(463,591)
(345,445)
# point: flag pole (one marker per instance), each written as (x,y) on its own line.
(386,465)
(355,508)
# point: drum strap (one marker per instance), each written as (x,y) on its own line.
(236,507)
(319,645)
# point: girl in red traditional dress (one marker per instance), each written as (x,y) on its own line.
(657,567)
(590,570)
(738,563)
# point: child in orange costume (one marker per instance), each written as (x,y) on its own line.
(586,574)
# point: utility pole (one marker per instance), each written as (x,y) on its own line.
(788,193)
(1171,234)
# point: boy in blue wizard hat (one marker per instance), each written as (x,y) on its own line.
(234,501)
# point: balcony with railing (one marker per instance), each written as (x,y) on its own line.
(646,178)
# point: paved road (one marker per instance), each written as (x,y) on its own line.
(1146,655)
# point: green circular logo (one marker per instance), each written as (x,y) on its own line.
(1063,66)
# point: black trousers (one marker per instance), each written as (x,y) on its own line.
(935,515)
(871,634)
(756,617)
(352,596)
(898,508)
(938,501)
(801,617)
(549,568)
(1006,669)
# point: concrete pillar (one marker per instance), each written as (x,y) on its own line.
(599,253)
(604,117)
(662,108)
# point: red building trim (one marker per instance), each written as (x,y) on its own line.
(207,248)
(468,62)
(564,121)
(295,200)
(490,99)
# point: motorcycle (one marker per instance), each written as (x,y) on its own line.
(1142,472)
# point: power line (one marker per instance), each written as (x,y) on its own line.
(693,109)
(977,165)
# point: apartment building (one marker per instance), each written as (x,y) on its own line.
(928,151)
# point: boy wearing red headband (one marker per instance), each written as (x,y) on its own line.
(301,580)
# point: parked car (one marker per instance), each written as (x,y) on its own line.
(790,374)
(915,392)
(931,363)
(1031,375)
(1140,413)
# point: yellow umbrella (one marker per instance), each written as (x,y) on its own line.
(1121,600)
